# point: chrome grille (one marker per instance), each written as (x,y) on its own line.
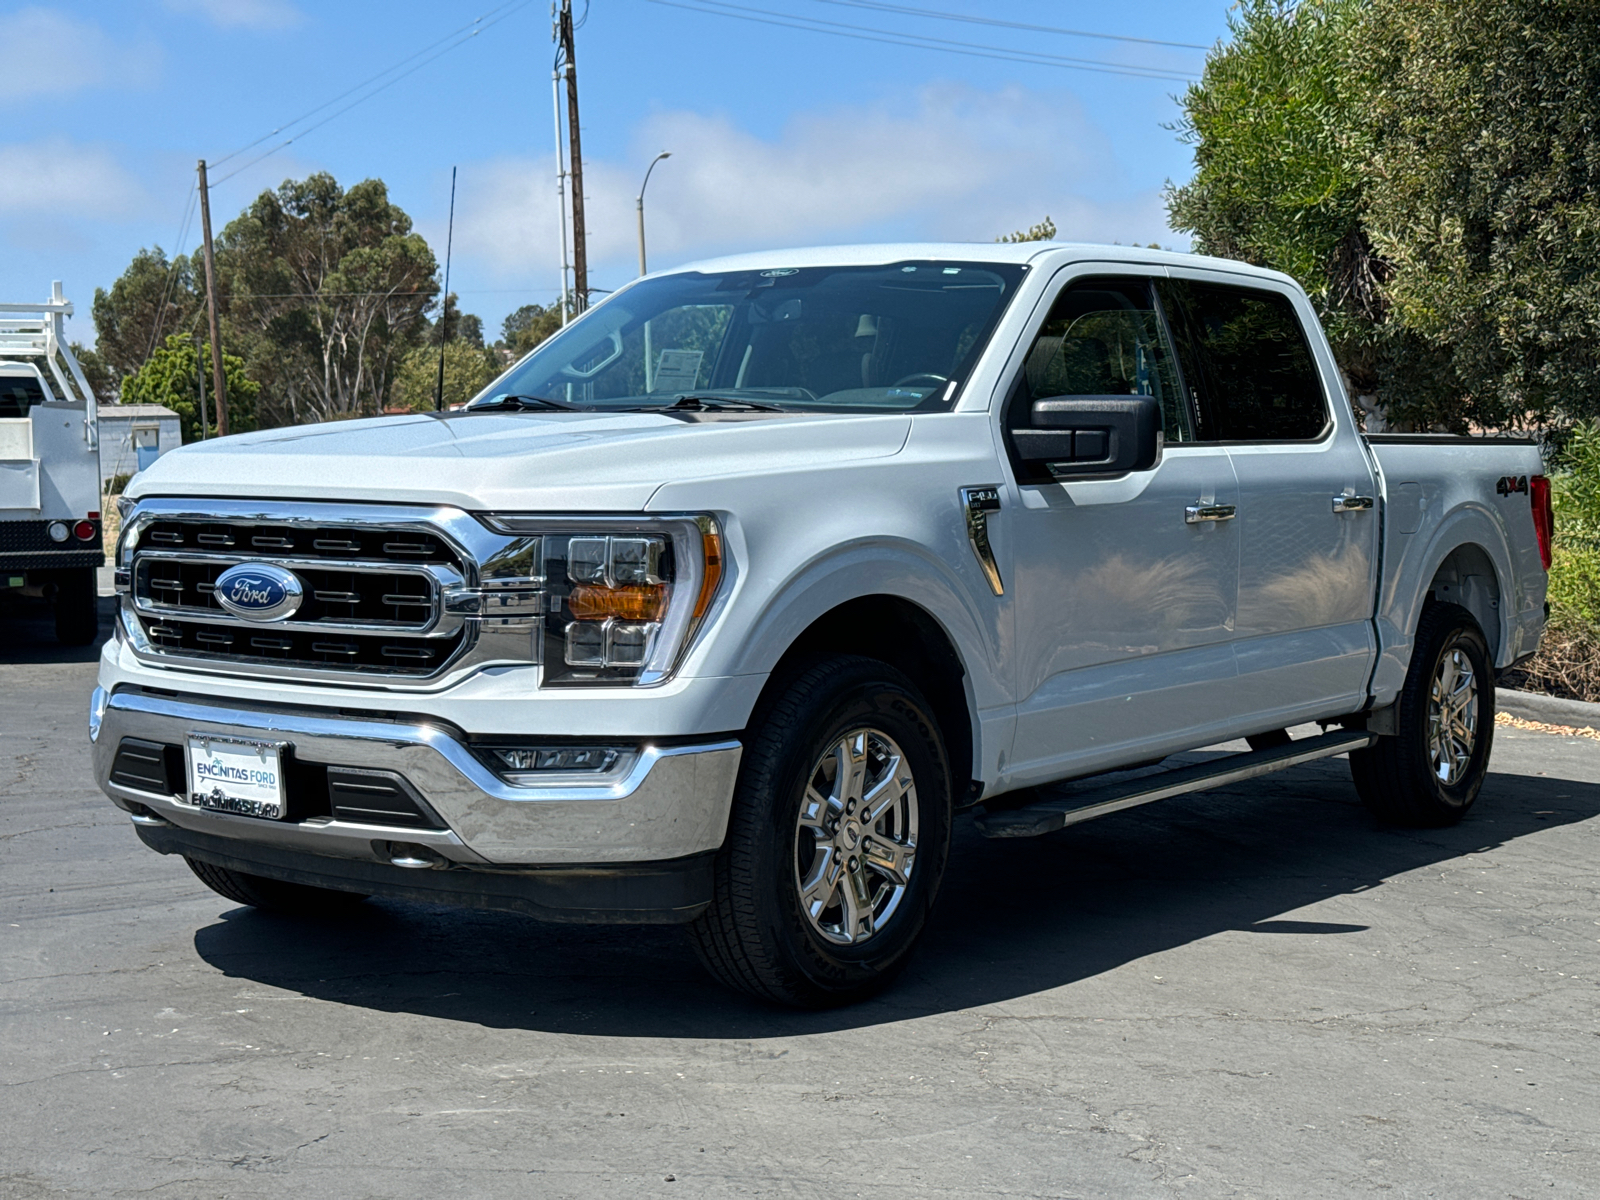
(389,593)
(342,593)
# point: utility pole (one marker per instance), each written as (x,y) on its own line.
(219,384)
(580,256)
(561,195)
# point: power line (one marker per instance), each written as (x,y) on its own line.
(373,79)
(477,28)
(921,42)
(172,270)
(934,14)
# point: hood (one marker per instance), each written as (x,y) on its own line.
(527,461)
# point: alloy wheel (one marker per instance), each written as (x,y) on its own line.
(856,837)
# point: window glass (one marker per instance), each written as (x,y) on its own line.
(1255,372)
(898,337)
(19,393)
(1103,337)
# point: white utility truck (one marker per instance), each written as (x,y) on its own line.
(722,605)
(49,469)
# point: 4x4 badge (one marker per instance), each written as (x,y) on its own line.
(1510,485)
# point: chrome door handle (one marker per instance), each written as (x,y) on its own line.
(1195,514)
(1343,504)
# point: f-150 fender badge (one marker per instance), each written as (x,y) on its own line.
(979,502)
(1511,485)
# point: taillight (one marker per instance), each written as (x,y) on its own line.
(83,531)
(1544,517)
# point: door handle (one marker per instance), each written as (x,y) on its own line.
(1196,514)
(1344,504)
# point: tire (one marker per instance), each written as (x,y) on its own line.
(273,895)
(795,832)
(1414,779)
(77,607)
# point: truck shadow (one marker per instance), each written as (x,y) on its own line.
(1016,917)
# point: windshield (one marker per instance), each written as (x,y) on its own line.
(895,338)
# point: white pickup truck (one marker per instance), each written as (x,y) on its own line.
(720,606)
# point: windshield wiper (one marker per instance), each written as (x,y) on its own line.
(524,403)
(716,404)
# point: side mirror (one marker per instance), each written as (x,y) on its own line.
(1070,436)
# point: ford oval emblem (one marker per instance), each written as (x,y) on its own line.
(259,592)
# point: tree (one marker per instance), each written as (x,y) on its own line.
(1428,171)
(1042,232)
(1485,194)
(325,291)
(467,369)
(96,372)
(153,297)
(171,377)
(528,326)
(1281,175)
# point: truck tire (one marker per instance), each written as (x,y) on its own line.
(1430,773)
(77,607)
(813,905)
(273,895)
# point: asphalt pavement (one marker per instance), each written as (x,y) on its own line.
(1249,992)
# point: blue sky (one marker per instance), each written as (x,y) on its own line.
(779,136)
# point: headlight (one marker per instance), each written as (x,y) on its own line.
(623,598)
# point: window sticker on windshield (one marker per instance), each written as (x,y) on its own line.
(677,370)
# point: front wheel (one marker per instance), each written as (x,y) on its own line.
(1430,773)
(837,841)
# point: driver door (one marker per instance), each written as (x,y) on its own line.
(1125,601)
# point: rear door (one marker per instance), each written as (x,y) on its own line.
(1307,517)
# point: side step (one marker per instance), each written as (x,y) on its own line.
(1051,815)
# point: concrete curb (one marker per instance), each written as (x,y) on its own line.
(1534,706)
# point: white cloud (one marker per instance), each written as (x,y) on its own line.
(57,178)
(954,164)
(243,14)
(50,54)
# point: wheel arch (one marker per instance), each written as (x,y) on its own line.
(1466,561)
(907,637)
(1467,576)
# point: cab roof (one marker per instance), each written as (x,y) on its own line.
(1056,253)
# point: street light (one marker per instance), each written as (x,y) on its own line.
(642,186)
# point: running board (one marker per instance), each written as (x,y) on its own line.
(1051,815)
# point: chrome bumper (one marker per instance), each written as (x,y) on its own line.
(670,802)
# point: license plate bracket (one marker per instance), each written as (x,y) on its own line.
(242,776)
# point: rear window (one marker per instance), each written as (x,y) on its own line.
(1246,357)
(19,393)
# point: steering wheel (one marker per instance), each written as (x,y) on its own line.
(910,379)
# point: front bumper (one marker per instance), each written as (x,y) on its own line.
(669,803)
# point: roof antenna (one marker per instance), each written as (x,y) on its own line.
(444,313)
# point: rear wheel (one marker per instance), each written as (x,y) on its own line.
(837,841)
(1430,773)
(274,895)
(77,607)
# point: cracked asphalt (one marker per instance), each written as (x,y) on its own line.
(1251,992)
